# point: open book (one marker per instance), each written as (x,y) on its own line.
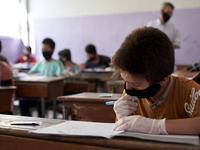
(80,128)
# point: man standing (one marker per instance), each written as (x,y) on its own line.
(164,25)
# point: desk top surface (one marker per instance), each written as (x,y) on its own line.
(88,96)
(8,87)
(116,143)
(39,80)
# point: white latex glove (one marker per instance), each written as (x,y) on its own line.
(124,106)
(141,124)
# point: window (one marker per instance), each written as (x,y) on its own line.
(13,18)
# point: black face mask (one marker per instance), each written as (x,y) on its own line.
(92,58)
(47,55)
(148,92)
(27,55)
(165,17)
(62,61)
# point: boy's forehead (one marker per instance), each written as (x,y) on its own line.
(46,47)
(130,78)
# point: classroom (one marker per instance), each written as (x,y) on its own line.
(99,74)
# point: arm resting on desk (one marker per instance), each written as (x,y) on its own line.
(183,126)
(190,126)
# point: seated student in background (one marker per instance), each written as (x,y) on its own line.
(95,60)
(71,69)
(49,67)
(164,104)
(6,77)
(2,58)
(191,71)
(26,57)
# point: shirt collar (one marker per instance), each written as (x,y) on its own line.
(159,22)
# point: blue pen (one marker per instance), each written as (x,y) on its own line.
(112,102)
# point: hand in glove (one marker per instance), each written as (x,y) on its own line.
(125,106)
(141,124)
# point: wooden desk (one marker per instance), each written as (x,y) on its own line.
(18,138)
(47,89)
(88,107)
(6,98)
(97,78)
(179,67)
(100,75)
(80,86)
(115,86)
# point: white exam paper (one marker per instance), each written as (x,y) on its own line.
(80,128)
(33,78)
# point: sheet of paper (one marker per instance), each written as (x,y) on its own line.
(33,78)
(184,139)
(22,75)
(80,128)
(105,95)
(20,65)
(26,123)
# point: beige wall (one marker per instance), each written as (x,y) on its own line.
(41,9)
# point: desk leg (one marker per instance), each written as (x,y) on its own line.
(65,113)
(54,108)
(43,106)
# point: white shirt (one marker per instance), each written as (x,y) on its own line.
(169,29)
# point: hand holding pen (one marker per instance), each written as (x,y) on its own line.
(125,105)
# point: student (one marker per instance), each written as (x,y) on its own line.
(191,71)
(6,77)
(71,69)
(167,27)
(26,57)
(95,60)
(161,103)
(49,67)
(2,58)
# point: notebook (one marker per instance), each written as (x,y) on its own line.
(95,129)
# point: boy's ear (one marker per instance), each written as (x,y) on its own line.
(164,81)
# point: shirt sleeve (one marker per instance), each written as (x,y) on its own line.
(33,59)
(87,64)
(76,69)
(106,61)
(18,61)
(149,24)
(191,97)
(59,69)
(177,37)
(34,69)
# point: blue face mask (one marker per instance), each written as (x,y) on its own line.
(148,92)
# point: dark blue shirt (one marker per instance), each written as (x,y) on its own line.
(104,62)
